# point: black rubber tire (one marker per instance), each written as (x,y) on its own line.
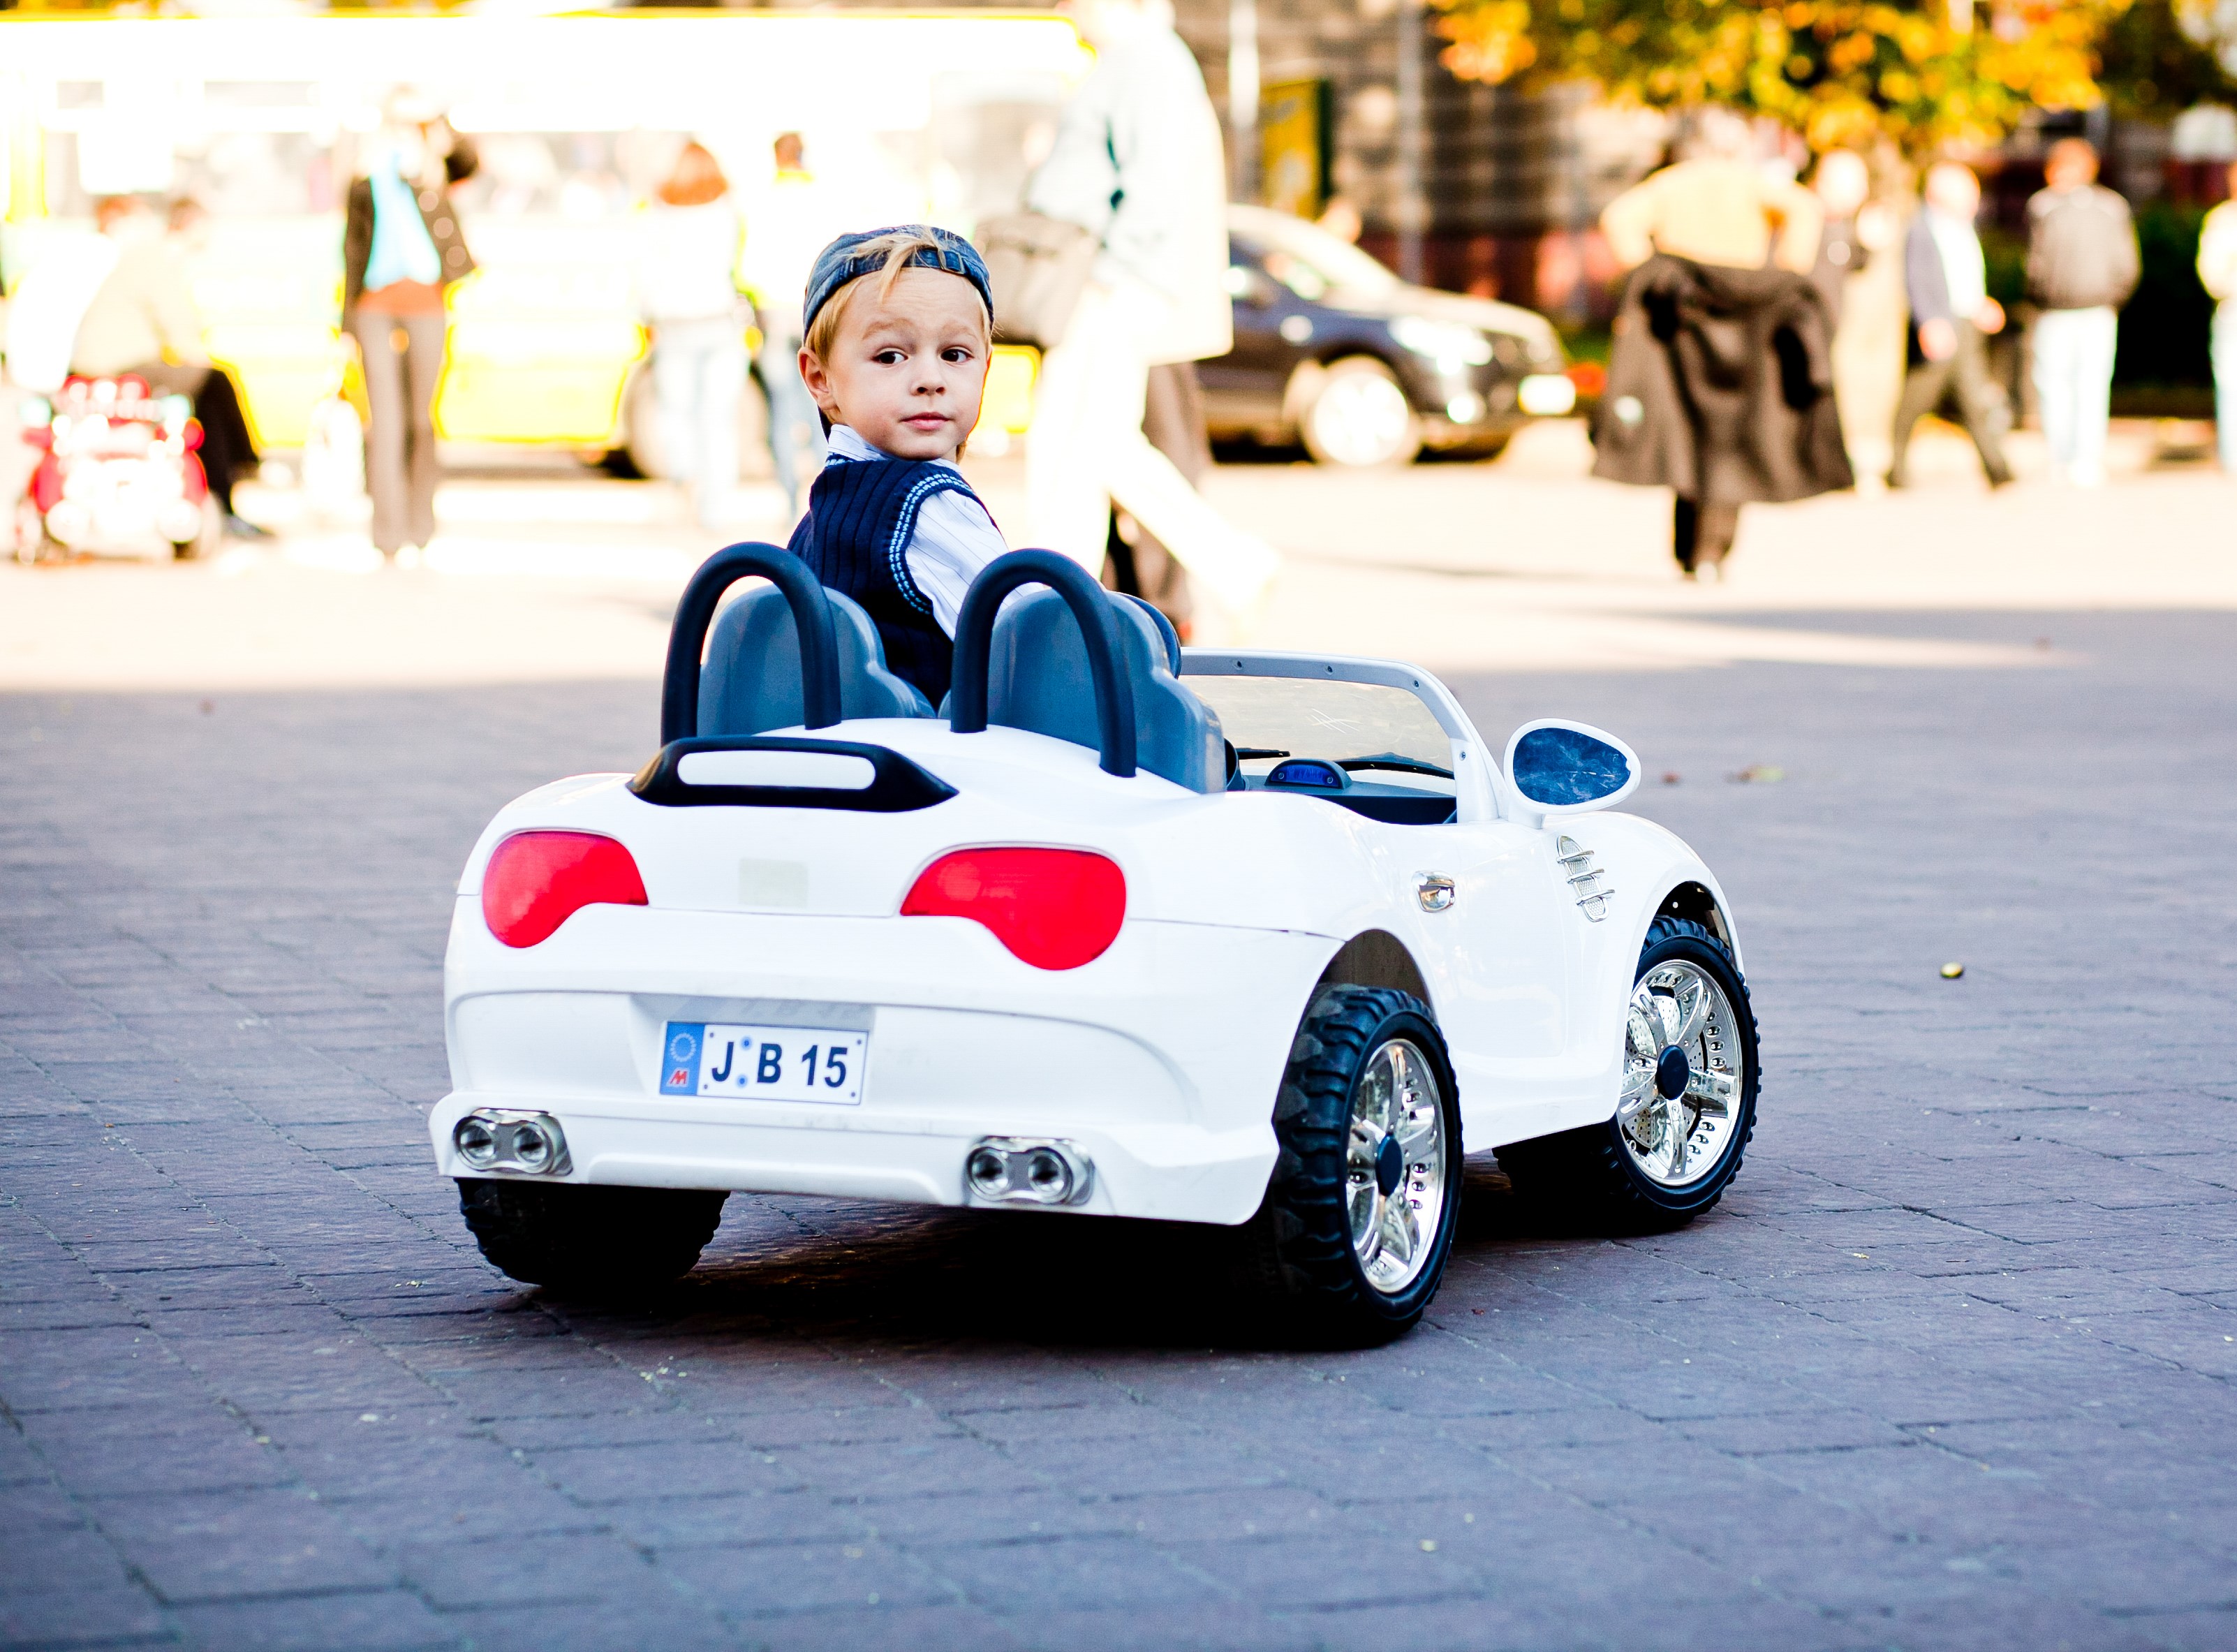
(1586,1177)
(1298,1260)
(595,1241)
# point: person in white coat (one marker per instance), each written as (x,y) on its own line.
(2217,273)
(788,225)
(688,293)
(1137,162)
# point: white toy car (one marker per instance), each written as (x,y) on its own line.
(1066,949)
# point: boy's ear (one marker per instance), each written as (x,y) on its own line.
(817,378)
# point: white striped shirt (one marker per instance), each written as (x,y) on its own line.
(954,535)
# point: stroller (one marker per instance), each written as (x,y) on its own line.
(119,476)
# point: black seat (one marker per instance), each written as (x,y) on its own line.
(797,655)
(1040,670)
(751,681)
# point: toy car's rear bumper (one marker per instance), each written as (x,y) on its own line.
(1159,1061)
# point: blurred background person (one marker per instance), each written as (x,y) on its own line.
(1138,562)
(688,294)
(143,319)
(1952,318)
(2082,265)
(2217,273)
(789,224)
(48,300)
(401,251)
(1138,162)
(1684,233)
(1843,184)
(1864,291)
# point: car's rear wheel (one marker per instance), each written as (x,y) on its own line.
(1360,417)
(1687,1105)
(593,1240)
(1351,1241)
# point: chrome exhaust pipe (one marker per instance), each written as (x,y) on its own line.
(524,1144)
(1028,1170)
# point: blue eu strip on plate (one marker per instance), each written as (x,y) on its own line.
(822,1065)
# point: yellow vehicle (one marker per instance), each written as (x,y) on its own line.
(576,116)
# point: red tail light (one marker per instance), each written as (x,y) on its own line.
(1056,908)
(537,881)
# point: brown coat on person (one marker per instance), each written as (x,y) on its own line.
(1721,386)
(435,210)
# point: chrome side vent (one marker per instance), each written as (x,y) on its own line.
(1587,882)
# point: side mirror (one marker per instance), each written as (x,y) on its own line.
(1570,768)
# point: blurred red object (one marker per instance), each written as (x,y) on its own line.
(1590,377)
(47,484)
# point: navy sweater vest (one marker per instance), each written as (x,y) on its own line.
(862,514)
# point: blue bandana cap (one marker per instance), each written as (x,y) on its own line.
(843,261)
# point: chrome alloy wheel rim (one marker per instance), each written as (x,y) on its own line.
(1361,419)
(1394,1166)
(1681,1074)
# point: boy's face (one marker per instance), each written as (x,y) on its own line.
(907,370)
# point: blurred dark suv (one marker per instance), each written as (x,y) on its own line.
(1333,350)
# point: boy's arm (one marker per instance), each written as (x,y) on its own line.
(954,538)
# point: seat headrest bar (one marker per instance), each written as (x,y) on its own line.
(811,620)
(1099,629)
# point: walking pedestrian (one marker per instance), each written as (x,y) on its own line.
(2082,265)
(1137,163)
(1699,399)
(1843,184)
(2217,273)
(143,320)
(786,228)
(688,293)
(1952,319)
(401,251)
(1138,562)
(1863,292)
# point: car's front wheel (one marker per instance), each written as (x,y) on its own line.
(1686,1108)
(1360,417)
(1358,1219)
(591,1240)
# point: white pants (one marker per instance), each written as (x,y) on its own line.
(1087,449)
(698,375)
(2223,340)
(2074,386)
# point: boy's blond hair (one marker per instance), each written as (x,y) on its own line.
(897,248)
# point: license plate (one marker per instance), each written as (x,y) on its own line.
(764,1063)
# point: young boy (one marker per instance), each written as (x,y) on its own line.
(897,327)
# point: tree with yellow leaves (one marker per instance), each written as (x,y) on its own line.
(1840,72)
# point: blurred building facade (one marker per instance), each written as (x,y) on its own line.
(1472,188)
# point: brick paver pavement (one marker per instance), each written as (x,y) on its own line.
(1951,1367)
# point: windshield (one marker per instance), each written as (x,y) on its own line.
(1337,263)
(1385,735)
